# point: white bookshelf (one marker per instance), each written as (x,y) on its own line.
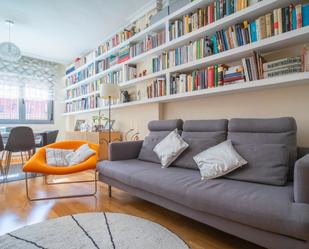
(294,37)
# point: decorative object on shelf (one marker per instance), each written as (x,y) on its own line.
(109,91)
(97,122)
(134,137)
(8,50)
(78,124)
(125,96)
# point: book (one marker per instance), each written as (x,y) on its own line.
(283,71)
(305,15)
(277,64)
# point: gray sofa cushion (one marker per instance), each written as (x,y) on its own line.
(200,135)
(266,131)
(185,160)
(267,163)
(205,129)
(158,130)
(266,207)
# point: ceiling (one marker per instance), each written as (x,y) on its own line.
(61,30)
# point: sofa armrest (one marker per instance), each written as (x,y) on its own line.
(124,150)
(301,180)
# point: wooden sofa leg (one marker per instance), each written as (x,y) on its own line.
(109,191)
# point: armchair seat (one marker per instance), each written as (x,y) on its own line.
(37,164)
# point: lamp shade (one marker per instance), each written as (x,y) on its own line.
(109,90)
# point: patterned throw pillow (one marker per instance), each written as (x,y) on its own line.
(170,148)
(80,155)
(57,157)
(218,160)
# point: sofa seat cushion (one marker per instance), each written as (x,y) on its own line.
(262,206)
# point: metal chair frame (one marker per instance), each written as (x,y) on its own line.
(57,183)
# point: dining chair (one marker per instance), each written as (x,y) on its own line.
(21,139)
(48,137)
(1,150)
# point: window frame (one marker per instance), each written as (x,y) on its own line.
(22,115)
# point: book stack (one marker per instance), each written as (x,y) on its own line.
(124,54)
(233,75)
(204,16)
(157,88)
(212,76)
(151,41)
(160,62)
(130,71)
(285,66)
(81,75)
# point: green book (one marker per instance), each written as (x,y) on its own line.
(193,80)
(216,75)
(198,44)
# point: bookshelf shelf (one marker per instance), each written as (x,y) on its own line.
(282,81)
(291,38)
(247,13)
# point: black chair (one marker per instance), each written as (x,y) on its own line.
(47,137)
(21,139)
(1,150)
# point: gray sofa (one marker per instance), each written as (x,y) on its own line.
(265,202)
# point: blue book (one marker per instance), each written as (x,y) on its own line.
(305,13)
(214,41)
(226,46)
(294,19)
(228,7)
(253,31)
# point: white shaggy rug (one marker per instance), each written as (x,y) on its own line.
(93,230)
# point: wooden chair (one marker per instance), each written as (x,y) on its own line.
(37,164)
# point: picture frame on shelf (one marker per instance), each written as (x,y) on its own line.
(78,124)
(106,126)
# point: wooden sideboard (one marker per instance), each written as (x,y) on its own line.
(100,138)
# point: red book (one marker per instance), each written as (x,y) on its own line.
(210,13)
(211,77)
(290,16)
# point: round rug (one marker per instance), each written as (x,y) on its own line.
(93,230)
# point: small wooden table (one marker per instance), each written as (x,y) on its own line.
(100,138)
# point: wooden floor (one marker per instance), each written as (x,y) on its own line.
(16,211)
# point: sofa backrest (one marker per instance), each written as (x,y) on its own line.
(158,129)
(200,135)
(275,131)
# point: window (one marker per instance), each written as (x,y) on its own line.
(27,91)
(34,107)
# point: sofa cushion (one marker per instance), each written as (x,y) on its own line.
(200,135)
(261,206)
(158,130)
(280,131)
(196,146)
(267,163)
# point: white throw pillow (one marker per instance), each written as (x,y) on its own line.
(80,155)
(57,157)
(170,148)
(218,160)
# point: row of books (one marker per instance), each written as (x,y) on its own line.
(106,63)
(81,75)
(80,61)
(134,28)
(90,102)
(204,16)
(112,78)
(130,71)
(82,90)
(256,68)
(222,40)
(149,42)
(193,51)
(210,77)
(157,88)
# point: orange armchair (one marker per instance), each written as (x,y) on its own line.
(37,164)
